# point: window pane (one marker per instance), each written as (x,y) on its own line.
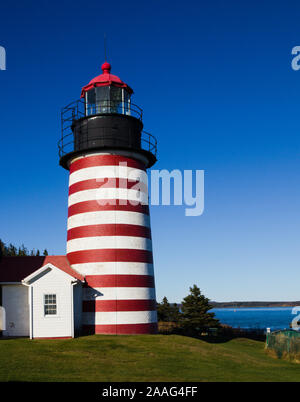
(50,304)
(91,96)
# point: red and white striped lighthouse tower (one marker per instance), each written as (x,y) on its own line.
(107,152)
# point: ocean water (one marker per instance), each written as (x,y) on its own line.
(250,318)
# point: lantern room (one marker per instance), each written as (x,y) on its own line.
(106,93)
(105,119)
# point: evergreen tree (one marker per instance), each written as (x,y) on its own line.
(2,248)
(162,310)
(166,312)
(175,313)
(195,315)
(22,251)
(37,252)
(12,250)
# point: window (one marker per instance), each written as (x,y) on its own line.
(50,307)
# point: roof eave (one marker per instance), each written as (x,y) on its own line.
(105,84)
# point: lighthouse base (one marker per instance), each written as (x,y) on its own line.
(121,329)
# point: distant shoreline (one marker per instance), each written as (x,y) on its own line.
(237,304)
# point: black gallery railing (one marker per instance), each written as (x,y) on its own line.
(80,109)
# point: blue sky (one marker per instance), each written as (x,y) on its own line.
(216,85)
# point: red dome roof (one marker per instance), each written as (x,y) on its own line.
(105,79)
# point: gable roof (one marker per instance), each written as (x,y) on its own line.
(15,269)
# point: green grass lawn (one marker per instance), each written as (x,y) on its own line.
(140,358)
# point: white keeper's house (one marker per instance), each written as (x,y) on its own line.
(41,297)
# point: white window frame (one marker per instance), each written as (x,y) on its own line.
(52,304)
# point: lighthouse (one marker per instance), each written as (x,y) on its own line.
(107,154)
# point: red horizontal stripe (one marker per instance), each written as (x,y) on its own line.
(121,329)
(92,184)
(118,305)
(105,160)
(110,255)
(120,281)
(109,230)
(94,206)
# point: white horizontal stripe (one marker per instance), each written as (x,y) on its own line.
(101,242)
(108,194)
(108,217)
(130,293)
(112,268)
(119,317)
(101,172)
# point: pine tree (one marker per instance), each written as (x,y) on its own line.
(195,317)
(22,251)
(2,248)
(12,250)
(166,312)
(175,313)
(162,310)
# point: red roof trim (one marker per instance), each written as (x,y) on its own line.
(15,269)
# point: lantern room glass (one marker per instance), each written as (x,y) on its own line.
(107,99)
